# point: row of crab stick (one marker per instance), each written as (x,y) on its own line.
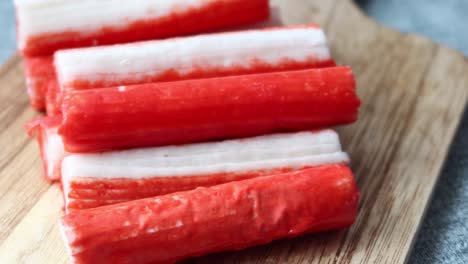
(207,109)
(129,197)
(257,189)
(274,186)
(203,56)
(230,216)
(46,26)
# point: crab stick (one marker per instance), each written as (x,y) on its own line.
(91,180)
(44,129)
(45,26)
(212,55)
(207,109)
(203,56)
(231,216)
(40,77)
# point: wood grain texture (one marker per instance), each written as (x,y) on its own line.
(413,93)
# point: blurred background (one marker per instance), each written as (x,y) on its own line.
(443,236)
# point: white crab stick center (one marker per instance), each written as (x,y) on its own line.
(293,150)
(134,62)
(37,17)
(53,151)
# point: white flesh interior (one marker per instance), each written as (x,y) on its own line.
(36,17)
(54,151)
(136,61)
(293,150)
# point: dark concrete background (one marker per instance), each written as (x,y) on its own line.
(443,236)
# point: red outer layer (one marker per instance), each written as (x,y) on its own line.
(218,15)
(54,96)
(198,110)
(231,216)
(53,99)
(38,129)
(92,192)
(40,77)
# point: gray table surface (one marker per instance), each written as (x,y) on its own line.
(443,236)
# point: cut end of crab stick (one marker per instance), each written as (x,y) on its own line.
(91,180)
(103,22)
(203,56)
(231,216)
(44,129)
(40,77)
(207,109)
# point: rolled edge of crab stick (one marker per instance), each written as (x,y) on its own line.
(103,22)
(44,129)
(202,56)
(91,180)
(207,109)
(40,77)
(231,216)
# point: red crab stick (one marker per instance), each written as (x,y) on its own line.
(231,216)
(212,55)
(40,77)
(203,56)
(198,110)
(44,129)
(91,180)
(94,22)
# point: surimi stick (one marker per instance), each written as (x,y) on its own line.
(211,55)
(44,129)
(206,109)
(91,180)
(45,26)
(40,77)
(231,216)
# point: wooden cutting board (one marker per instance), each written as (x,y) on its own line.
(413,94)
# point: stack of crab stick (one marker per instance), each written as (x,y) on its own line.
(46,26)
(180,147)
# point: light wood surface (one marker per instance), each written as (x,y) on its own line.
(413,94)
